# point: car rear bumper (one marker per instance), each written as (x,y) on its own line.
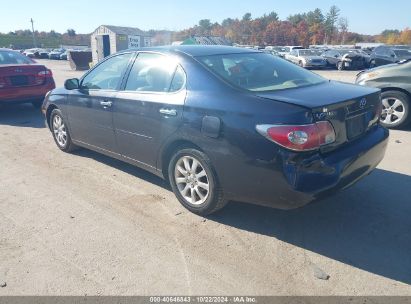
(26,94)
(297,181)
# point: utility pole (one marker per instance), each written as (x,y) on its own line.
(32,28)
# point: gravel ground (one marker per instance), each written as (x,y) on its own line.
(82,223)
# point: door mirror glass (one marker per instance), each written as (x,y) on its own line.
(72,84)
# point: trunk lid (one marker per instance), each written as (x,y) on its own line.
(351,109)
(21,75)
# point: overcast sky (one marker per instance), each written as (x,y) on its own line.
(364,16)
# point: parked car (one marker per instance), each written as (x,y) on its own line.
(22,80)
(271,52)
(394,80)
(64,55)
(344,59)
(55,54)
(386,54)
(31,53)
(285,50)
(222,123)
(43,54)
(307,58)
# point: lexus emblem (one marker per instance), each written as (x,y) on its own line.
(363,103)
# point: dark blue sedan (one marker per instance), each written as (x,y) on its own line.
(223,123)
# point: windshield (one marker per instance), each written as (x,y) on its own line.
(403,53)
(259,72)
(310,52)
(10,57)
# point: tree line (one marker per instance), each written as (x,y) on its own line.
(313,27)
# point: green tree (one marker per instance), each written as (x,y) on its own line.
(330,23)
(247,17)
(71,32)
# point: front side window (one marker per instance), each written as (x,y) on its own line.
(155,73)
(259,72)
(108,74)
(11,57)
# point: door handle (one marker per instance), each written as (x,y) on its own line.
(106,104)
(168,112)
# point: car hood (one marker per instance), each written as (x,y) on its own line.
(324,94)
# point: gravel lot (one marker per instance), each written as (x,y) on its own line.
(82,223)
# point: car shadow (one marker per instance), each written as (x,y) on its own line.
(367,226)
(21,115)
(123,166)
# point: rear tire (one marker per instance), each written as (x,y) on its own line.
(396,109)
(194,182)
(340,66)
(372,64)
(60,131)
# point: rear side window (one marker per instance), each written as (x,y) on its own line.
(259,72)
(8,57)
(155,73)
(108,74)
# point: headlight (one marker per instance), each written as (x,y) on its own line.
(366,76)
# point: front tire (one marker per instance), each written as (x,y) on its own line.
(60,131)
(396,109)
(194,182)
(340,66)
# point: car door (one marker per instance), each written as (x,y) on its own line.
(293,57)
(382,56)
(149,108)
(90,107)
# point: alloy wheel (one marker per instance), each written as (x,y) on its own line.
(393,110)
(59,130)
(191,180)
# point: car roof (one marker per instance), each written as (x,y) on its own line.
(198,50)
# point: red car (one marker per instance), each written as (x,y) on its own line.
(22,80)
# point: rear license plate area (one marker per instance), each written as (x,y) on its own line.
(357,125)
(19,80)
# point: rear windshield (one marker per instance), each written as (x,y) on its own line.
(259,72)
(11,57)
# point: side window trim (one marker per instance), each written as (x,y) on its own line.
(101,62)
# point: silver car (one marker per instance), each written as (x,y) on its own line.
(307,58)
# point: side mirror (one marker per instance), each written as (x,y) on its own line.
(336,56)
(72,84)
(393,55)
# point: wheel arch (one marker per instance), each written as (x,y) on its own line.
(386,89)
(50,109)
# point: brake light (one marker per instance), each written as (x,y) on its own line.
(42,75)
(299,137)
(45,73)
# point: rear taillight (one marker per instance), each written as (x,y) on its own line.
(45,73)
(299,137)
(42,75)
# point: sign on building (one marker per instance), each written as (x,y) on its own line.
(133,42)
